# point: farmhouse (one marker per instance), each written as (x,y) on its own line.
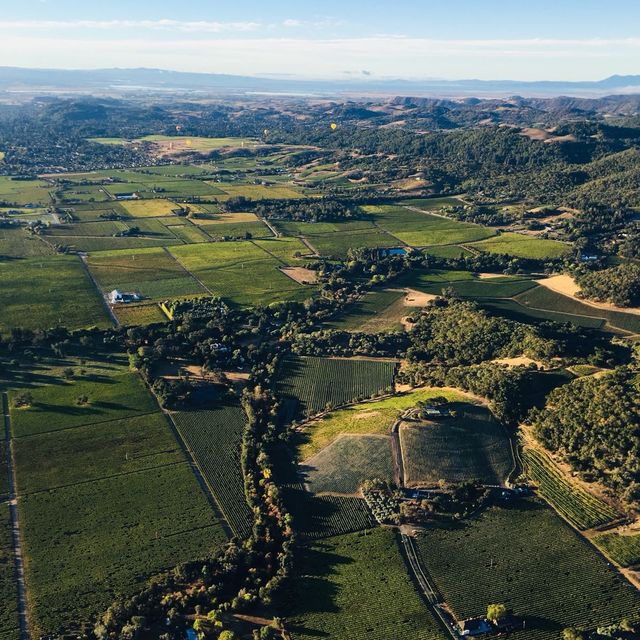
(473,627)
(127,196)
(117,297)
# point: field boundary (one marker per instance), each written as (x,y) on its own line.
(25,633)
(189,273)
(103,296)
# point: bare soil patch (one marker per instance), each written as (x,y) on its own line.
(300,274)
(417,298)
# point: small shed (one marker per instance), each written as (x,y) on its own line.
(473,627)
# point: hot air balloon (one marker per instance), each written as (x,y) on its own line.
(334,126)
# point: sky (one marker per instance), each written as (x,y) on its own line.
(417,39)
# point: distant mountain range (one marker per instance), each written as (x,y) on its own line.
(15,79)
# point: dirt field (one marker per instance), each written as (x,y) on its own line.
(417,298)
(300,274)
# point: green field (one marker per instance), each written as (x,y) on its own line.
(375,312)
(621,548)
(527,558)
(521,246)
(240,272)
(236,230)
(580,508)
(24,192)
(9,622)
(214,438)
(347,462)
(148,208)
(471,445)
(48,292)
(317,383)
(140,314)
(15,242)
(338,244)
(376,417)
(55,406)
(86,543)
(68,456)
(356,587)
(423,229)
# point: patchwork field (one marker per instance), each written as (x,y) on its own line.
(528,559)
(356,587)
(214,437)
(521,246)
(47,292)
(149,208)
(14,191)
(106,496)
(468,446)
(320,382)
(376,312)
(376,417)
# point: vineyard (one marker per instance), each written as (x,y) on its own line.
(9,625)
(579,507)
(319,383)
(214,438)
(324,516)
(623,549)
(528,559)
(356,587)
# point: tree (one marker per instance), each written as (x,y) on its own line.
(496,612)
(227,635)
(571,633)
(24,399)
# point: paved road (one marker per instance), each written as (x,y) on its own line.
(15,525)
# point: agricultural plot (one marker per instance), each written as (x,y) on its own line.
(15,242)
(9,622)
(214,437)
(623,548)
(528,559)
(70,455)
(448,251)
(55,406)
(376,312)
(356,587)
(471,445)
(83,194)
(320,382)
(544,299)
(423,229)
(433,204)
(48,292)
(338,244)
(14,191)
(153,273)
(206,215)
(139,314)
(87,542)
(582,509)
(376,417)
(245,230)
(193,143)
(255,191)
(324,516)
(240,272)
(287,250)
(187,232)
(321,228)
(149,208)
(521,246)
(347,462)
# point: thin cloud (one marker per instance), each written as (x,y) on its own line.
(193,26)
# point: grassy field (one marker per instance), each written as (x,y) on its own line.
(621,548)
(9,622)
(356,587)
(240,272)
(528,559)
(247,230)
(148,208)
(68,456)
(214,437)
(55,406)
(139,314)
(471,445)
(255,191)
(23,192)
(347,462)
(433,204)
(579,507)
(376,417)
(521,246)
(200,143)
(153,273)
(15,242)
(320,382)
(376,312)
(47,292)
(423,229)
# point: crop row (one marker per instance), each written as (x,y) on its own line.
(579,507)
(214,437)
(319,383)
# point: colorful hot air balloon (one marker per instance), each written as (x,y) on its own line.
(334,126)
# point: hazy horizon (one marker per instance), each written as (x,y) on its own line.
(577,41)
